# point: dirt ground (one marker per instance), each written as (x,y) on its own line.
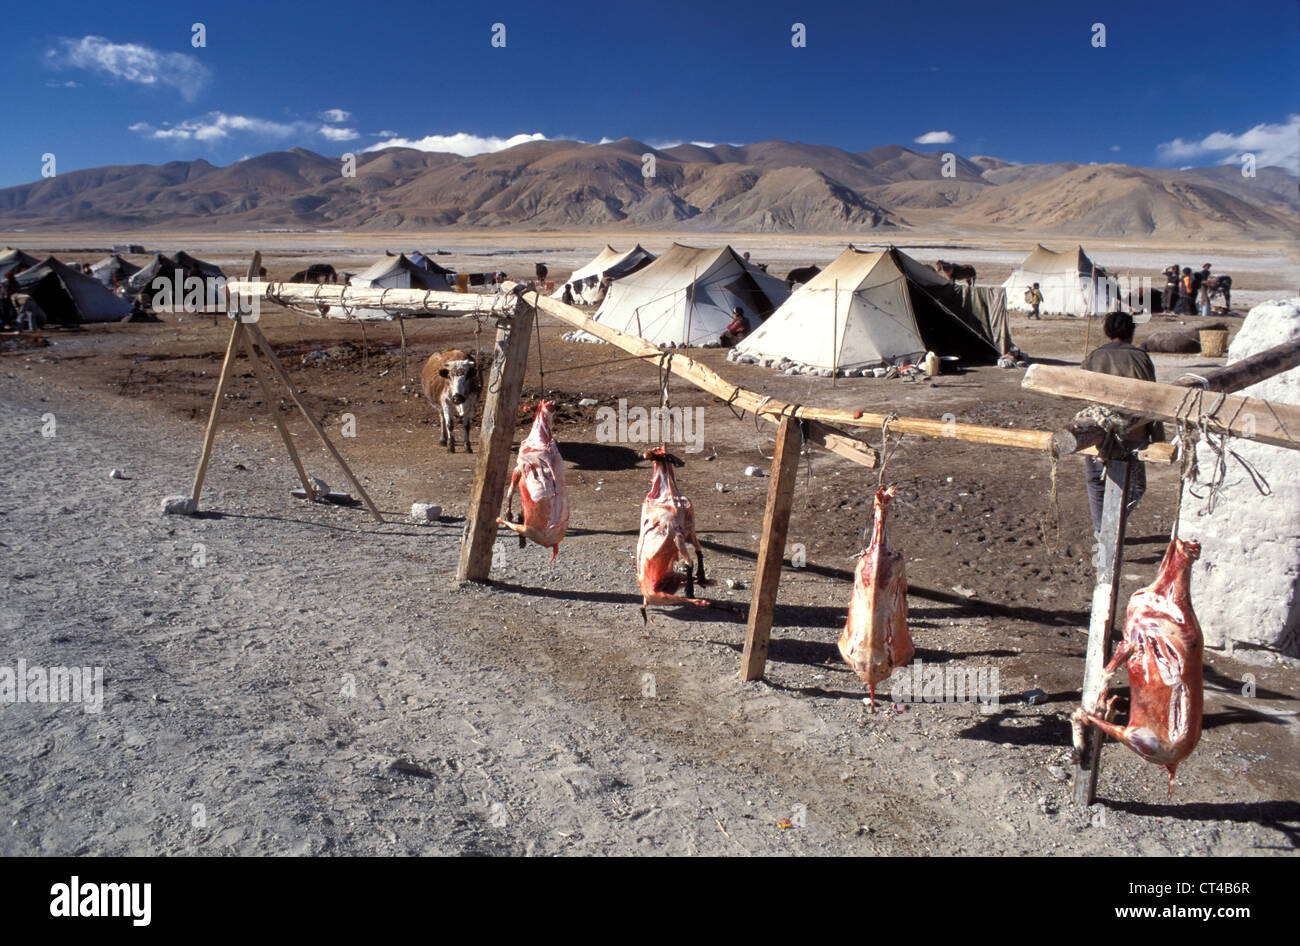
(319,684)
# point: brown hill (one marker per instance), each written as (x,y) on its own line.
(771,186)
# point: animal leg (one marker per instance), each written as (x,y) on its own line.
(468,449)
(442,426)
(699,563)
(448,429)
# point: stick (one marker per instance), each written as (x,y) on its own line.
(771,551)
(277,415)
(255,332)
(509,362)
(236,330)
(1105,598)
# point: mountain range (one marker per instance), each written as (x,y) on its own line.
(773,186)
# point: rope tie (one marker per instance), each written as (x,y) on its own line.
(1053,502)
(885,452)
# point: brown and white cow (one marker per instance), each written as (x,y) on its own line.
(451,385)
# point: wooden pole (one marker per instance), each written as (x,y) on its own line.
(277,416)
(1105,598)
(236,333)
(1246,417)
(401,328)
(255,332)
(771,549)
(510,360)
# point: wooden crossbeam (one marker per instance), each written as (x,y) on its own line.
(341,302)
(1077,437)
(773,409)
(1246,417)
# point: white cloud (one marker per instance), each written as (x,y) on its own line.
(335,116)
(1114,147)
(1272,144)
(336,133)
(131,62)
(936,138)
(219,126)
(461,143)
(216,126)
(385,134)
(51,84)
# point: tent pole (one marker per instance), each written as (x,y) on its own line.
(835,336)
(401,327)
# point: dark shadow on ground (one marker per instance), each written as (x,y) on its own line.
(599,456)
(1283,816)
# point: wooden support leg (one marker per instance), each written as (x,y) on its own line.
(401,328)
(492,471)
(236,333)
(255,333)
(771,549)
(273,406)
(1105,598)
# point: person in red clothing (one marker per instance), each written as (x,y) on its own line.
(736,329)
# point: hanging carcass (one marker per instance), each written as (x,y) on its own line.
(667,525)
(539,477)
(1163,649)
(876,640)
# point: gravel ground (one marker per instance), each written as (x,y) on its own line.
(288,678)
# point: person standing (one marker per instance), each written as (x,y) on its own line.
(1034,296)
(1121,358)
(1203,299)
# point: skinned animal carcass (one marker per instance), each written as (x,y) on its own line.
(667,525)
(539,477)
(876,640)
(1163,651)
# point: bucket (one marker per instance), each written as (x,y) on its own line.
(1214,342)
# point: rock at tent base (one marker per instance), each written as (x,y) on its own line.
(179,506)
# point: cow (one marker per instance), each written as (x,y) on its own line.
(956,271)
(451,385)
(797,277)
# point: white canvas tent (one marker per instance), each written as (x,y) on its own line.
(609,262)
(1070,282)
(868,309)
(396,272)
(685,297)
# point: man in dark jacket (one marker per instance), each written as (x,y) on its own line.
(1120,357)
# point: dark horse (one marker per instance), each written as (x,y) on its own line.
(797,277)
(956,271)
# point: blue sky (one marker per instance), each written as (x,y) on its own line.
(1023,81)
